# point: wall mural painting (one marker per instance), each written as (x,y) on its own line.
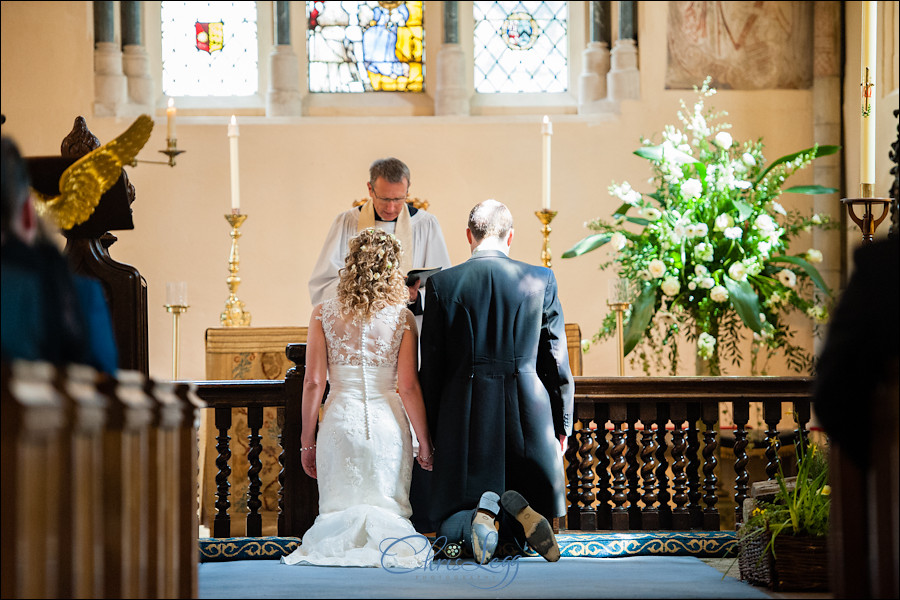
(742,45)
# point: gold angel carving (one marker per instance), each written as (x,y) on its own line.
(83,183)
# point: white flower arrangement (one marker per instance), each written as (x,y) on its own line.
(708,249)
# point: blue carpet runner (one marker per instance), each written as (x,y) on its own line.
(699,544)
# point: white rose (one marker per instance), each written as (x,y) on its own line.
(707,282)
(813,256)
(723,140)
(692,188)
(718,294)
(748,159)
(737,271)
(657,268)
(670,286)
(764,248)
(617,241)
(701,271)
(765,223)
(705,345)
(723,222)
(816,220)
(787,277)
(733,233)
(692,286)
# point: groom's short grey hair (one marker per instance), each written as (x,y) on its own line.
(490,219)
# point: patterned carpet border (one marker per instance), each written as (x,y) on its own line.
(700,544)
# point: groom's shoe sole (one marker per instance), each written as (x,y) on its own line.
(538,532)
(484,528)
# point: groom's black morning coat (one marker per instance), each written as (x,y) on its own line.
(497,385)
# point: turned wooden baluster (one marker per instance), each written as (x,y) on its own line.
(222,520)
(710,417)
(650,512)
(772,415)
(681,518)
(588,516)
(693,471)
(254,423)
(572,493)
(662,468)
(801,434)
(617,458)
(632,471)
(742,477)
(601,416)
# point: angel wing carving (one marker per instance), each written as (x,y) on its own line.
(83,183)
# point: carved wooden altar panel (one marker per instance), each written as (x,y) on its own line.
(245,353)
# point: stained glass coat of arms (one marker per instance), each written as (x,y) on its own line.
(209,48)
(521,47)
(356,47)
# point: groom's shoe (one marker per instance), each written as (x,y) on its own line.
(484,527)
(538,532)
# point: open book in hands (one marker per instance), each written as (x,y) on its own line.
(420,275)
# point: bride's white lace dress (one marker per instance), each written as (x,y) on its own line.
(364,451)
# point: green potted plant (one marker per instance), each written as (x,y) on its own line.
(783,543)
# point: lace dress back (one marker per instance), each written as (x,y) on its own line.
(364,451)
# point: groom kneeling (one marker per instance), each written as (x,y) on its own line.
(499,397)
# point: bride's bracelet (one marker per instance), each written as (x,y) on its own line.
(307,448)
(427,457)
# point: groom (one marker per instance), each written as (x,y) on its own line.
(499,396)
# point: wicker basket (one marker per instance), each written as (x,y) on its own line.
(754,561)
(800,563)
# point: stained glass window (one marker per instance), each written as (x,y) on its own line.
(209,49)
(521,47)
(365,46)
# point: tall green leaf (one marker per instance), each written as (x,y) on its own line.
(810,270)
(641,312)
(818,150)
(671,154)
(745,302)
(591,242)
(810,189)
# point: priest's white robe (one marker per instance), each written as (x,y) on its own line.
(429,249)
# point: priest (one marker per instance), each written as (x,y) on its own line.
(418,231)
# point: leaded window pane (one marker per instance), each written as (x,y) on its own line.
(521,47)
(209,49)
(355,47)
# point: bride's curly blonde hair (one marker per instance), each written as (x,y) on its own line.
(371,278)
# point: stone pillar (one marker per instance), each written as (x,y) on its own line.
(135,61)
(451,94)
(624,79)
(110,88)
(592,84)
(283,97)
(827,131)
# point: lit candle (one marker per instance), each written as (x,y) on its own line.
(170,120)
(235,171)
(547,131)
(867,109)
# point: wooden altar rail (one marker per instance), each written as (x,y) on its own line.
(99,484)
(618,478)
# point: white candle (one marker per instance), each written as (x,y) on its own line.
(868,76)
(235,171)
(170,120)
(547,131)
(176,293)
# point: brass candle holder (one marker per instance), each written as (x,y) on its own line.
(545,216)
(171,151)
(177,310)
(234,314)
(867,223)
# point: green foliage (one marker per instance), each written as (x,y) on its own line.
(708,248)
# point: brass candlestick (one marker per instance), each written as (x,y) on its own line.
(234,314)
(620,308)
(177,310)
(546,215)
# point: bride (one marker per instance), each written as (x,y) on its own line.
(365,340)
